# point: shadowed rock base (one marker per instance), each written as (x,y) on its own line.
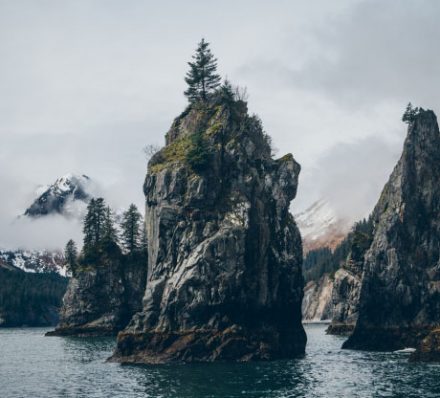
(340,329)
(232,344)
(429,348)
(83,332)
(385,339)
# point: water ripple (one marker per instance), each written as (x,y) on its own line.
(34,366)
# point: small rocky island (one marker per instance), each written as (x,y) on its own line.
(399,303)
(107,278)
(224,270)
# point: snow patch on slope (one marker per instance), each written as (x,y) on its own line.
(320,226)
(34,261)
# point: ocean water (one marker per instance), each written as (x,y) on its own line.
(35,366)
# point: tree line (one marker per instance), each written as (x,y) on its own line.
(30,299)
(102,236)
(325,261)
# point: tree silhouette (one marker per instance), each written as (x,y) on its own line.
(202,78)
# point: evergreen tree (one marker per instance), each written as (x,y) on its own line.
(88,227)
(199,154)
(131,230)
(409,114)
(227,92)
(109,233)
(202,78)
(71,255)
(94,225)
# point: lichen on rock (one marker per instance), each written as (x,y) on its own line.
(224,271)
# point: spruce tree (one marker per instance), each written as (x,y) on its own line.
(202,78)
(71,255)
(409,114)
(94,225)
(88,227)
(109,233)
(131,230)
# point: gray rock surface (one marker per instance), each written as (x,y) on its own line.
(101,298)
(345,299)
(317,303)
(400,294)
(225,278)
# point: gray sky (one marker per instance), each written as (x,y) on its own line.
(86,84)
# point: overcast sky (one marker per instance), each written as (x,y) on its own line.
(85,84)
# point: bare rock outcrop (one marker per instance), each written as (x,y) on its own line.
(317,302)
(224,270)
(102,297)
(399,300)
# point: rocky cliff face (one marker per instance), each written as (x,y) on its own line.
(400,293)
(345,299)
(101,298)
(317,303)
(225,259)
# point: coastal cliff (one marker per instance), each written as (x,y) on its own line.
(347,284)
(225,254)
(102,297)
(399,300)
(317,302)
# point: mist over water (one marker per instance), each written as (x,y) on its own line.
(32,365)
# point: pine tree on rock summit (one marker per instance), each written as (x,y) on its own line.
(131,230)
(110,234)
(94,225)
(202,78)
(71,255)
(410,113)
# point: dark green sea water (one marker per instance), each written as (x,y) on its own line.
(35,366)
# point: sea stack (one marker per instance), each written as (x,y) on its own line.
(102,297)
(224,268)
(399,300)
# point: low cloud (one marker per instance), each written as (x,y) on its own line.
(351,176)
(50,232)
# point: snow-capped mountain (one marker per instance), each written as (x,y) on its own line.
(321,227)
(35,261)
(67,196)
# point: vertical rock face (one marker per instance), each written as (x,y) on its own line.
(345,299)
(225,255)
(317,302)
(101,298)
(400,294)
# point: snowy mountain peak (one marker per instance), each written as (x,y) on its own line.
(67,196)
(34,261)
(320,226)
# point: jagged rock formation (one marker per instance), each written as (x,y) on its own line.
(400,294)
(101,298)
(225,255)
(317,303)
(344,301)
(429,348)
(66,196)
